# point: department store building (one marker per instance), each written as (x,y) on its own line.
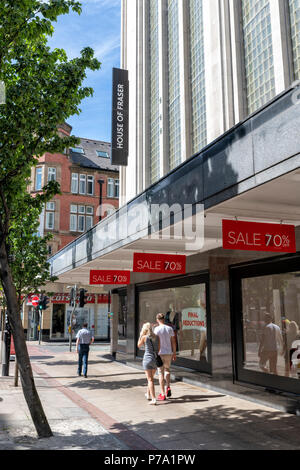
(214,118)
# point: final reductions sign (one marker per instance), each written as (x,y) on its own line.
(120,103)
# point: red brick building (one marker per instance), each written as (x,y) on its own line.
(88,182)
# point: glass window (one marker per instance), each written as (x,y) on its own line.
(197,68)
(51,174)
(110,187)
(271,320)
(82,184)
(81,209)
(89,222)
(90,185)
(77,150)
(89,210)
(295,30)
(73,208)
(81,223)
(74,183)
(154,93)
(50,220)
(50,206)
(258,37)
(185,311)
(174,85)
(73,222)
(116,188)
(38,178)
(100,153)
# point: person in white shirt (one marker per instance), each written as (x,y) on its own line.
(83,340)
(270,343)
(167,352)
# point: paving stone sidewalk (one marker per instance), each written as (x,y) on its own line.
(108,411)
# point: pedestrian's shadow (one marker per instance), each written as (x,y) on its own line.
(190,399)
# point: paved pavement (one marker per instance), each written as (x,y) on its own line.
(108,411)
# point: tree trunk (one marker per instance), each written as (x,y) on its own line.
(30,393)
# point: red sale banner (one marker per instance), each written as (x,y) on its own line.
(254,236)
(109,277)
(159,263)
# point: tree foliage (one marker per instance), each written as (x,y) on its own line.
(43,89)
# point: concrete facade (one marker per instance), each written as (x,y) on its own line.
(225,75)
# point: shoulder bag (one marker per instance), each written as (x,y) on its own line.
(158,359)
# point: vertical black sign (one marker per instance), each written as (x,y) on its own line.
(119,134)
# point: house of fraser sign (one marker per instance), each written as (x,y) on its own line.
(119,134)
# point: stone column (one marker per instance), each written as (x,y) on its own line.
(220,318)
(131,321)
(114,308)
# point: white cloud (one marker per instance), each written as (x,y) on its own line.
(108,48)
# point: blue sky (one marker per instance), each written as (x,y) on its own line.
(98,27)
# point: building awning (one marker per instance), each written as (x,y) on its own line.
(252,172)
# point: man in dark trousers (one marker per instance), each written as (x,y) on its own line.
(83,340)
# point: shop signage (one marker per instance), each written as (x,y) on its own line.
(103,299)
(193,318)
(109,277)
(65,298)
(159,263)
(253,236)
(119,132)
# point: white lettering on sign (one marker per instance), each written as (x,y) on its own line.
(120,117)
(151,265)
(253,239)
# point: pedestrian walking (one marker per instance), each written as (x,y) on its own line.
(270,343)
(83,340)
(167,352)
(150,341)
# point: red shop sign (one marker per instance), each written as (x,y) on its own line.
(65,298)
(253,236)
(103,299)
(159,263)
(109,277)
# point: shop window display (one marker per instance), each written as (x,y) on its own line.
(271,321)
(185,311)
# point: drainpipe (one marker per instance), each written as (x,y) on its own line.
(101,182)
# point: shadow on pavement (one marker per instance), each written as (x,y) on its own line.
(107,385)
(220,427)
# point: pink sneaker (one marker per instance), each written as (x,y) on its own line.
(161,397)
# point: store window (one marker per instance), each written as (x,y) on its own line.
(185,309)
(58,321)
(271,319)
(266,307)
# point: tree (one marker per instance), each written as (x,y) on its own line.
(43,88)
